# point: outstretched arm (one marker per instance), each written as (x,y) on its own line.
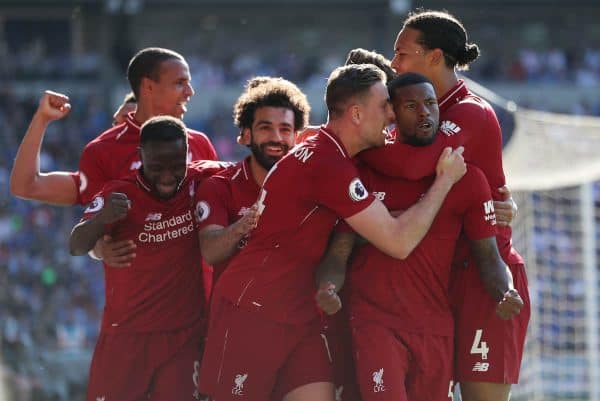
(26,180)
(496,277)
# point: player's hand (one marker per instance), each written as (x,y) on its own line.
(506,209)
(327,299)
(115,209)
(248,221)
(510,305)
(451,164)
(115,253)
(53,106)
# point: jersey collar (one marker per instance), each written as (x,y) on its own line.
(453,96)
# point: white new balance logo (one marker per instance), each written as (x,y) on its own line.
(154,217)
(100,398)
(135,165)
(378,379)
(481,367)
(239,384)
(449,128)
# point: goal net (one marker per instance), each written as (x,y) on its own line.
(552,166)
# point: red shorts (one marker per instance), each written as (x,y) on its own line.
(488,349)
(251,358)
(146,366)
(401,366)
(339,335)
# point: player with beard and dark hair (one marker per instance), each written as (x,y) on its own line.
(269,113)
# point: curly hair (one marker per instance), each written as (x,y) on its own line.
(270,92)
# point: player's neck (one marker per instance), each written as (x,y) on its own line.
(348,136)
(142,114)
(258,172)
(445,81)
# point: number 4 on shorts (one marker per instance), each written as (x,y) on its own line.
(479,347)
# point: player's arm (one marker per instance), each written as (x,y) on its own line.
(331,271)
(406,161)
(496,277)
(26,180)
(398,236)
(218,243)
(85,234)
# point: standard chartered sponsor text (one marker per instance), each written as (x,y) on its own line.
(176,226)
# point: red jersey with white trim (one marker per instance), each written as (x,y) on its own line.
(224,198)
(412,294)
(302,197)
(465,120)
(115,154)
(163,288)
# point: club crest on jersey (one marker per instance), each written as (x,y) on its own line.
(96,205)
(202,211)
(449,128)
(238,388)
(357,190)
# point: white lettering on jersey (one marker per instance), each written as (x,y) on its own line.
(238,387)
(488,209)
(202,211)
(165,230)
(378,380)
(449,128)
(97,204)
(357,190)
(302,153)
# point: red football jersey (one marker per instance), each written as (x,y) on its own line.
(465,120)
(224,198)
(115,154)
(412,294)
(301,199)
(162,289)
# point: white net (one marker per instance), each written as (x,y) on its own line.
(552,163)
(553,232)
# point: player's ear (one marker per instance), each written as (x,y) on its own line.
(436,56)
(355,113)
(244,138)
(146,85)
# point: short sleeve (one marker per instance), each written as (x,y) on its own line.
(212,202)
(91,177)
(479,219)
(337,186)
